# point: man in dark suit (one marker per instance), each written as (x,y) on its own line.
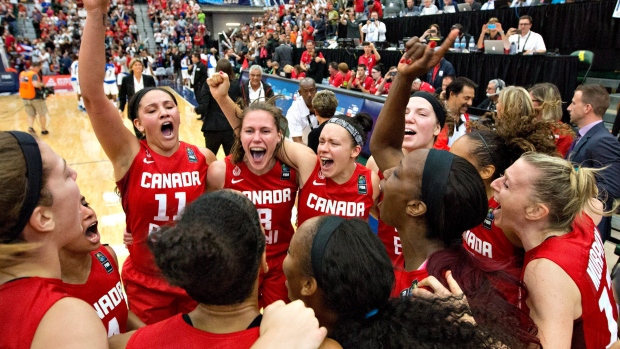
(198,71)
(594,146)
(283,54)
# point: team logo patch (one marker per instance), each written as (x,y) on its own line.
(104,262)
(361,185)
(191,156)
(286,173)
(236,171)
(408,291)
(488,221)
(320,174)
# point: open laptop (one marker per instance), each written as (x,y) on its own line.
(464,7)
(494,47)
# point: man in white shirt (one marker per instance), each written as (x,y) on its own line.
(255,89)
(527,42)
(489,5)
(429,8)
(459,96)
(521,3)
(300,116)
(374,29)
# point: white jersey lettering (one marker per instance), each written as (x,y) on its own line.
(475,243)
(335,207)
(595,263)
(170,180)
(267,197)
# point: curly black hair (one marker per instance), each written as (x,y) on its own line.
(214,251)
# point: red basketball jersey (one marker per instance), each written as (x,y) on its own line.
(489,241)
(23,303)
(388,235)
(273,194)
(175,333)
(322,196)
(155,191)
(406,281)
(581,255)
(104,291)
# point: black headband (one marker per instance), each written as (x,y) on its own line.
(357,136)
(434,182)
(437,107)
(34,174)
(319,244)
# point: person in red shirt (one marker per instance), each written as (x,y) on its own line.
(99,285)
(223,231)
(309,55)
(307,33)
(271,185)
(541,199)
(335,76)
(156,177)
(361,80)
(40,213)
(370,56)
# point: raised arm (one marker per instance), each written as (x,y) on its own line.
(119,144)
(387,137)
(219,84)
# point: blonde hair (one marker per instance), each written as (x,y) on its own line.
(550,101)
(493,20)
(325,103)
(516,102)
(564,189)
(134,61)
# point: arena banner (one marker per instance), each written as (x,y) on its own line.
(58,82)
(227,2)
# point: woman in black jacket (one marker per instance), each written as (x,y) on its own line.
(215,127)
(133,83)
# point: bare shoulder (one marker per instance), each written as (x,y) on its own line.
(329,343)
(216,175)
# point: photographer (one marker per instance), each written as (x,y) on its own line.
(384,86)
(527,42)
(353,27)
(432,34)
(374,29)
(31,92)
(491,31)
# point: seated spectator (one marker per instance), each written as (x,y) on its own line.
(393,8)
(411,9)
(310,55)
(419,85)
(346,73)
(297,73)
(335,76)
(494,87)
(435,75)
(375,74)
(521,3)
(492,30)
(428,8)
(432,34)
(462,34)
(449,6)
(384,87)
(489,5)
(527,42)
(360,80)
(475,5)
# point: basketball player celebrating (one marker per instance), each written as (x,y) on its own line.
(330,182)
(271,185)
(156,177)
(90,272)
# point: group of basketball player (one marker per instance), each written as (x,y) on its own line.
(469,258)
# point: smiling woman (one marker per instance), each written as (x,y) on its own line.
(154,112)
(271,185)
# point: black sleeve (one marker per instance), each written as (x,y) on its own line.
(205,99)
(122,94)
(616,128)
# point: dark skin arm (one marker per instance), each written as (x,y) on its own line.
(389,132)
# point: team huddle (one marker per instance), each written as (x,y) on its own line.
(492,244)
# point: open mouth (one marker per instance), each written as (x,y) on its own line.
(92,233)
(258,154)
(167,129)
(410,132)
(327,162)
